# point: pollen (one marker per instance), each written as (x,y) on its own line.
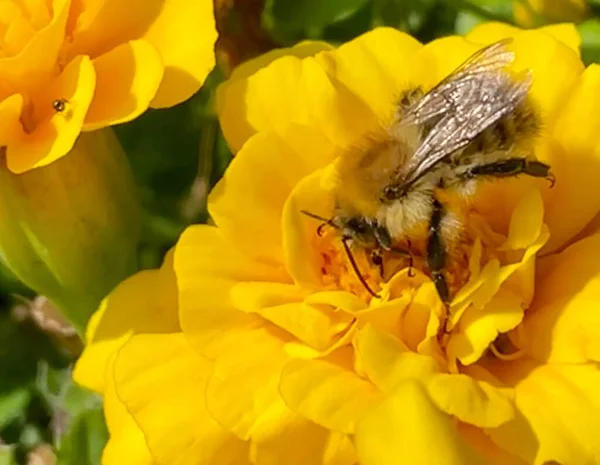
(377,269)
(336,268)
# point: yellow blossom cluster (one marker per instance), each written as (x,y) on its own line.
(254,343)
(72,65)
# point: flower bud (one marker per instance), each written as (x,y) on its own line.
(70,230)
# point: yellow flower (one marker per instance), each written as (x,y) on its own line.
(528,13)
(68,66)
(279,356)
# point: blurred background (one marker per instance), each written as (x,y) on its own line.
(177,155)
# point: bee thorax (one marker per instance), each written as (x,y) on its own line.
(405,214)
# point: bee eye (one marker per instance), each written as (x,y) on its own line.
(391,192)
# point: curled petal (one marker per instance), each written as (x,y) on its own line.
(127,78)
(55,136)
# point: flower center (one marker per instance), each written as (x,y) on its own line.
(365,272)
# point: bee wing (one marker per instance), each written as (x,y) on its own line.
(476,95)
(440,99)
(487,99)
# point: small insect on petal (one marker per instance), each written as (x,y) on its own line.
(60,105)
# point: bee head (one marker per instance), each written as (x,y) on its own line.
(360,229)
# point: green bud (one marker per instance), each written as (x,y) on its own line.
(70,230)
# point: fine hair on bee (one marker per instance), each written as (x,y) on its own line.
(477,124)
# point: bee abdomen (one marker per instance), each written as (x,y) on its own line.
(507,132)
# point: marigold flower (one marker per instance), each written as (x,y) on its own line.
(69,66)
(280,356)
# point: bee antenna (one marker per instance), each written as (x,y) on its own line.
(355,268)
(326,221)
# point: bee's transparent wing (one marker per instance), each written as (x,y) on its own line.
(468,101)
(491,98)
(441,98)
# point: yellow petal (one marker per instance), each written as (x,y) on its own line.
(478,439)
(526,222)
(126,438)
(282,305)
(577,161)
(232,115)
(98,26)
(555,66)
(144,303)
(55,136)
(277,160)
(207,267)
(290,89)
(242,392)
(10,114)
(474,402)
(172,414)
(127,79)
(184,33)
(378,56)
(478,328)
(439,58)
(563,323)
(33,66)
(326,393)
(253,297)
(559,415)
(566,32)
(303,49)
(303,260)
(487,33)
(387,361)
(18,30)
(407,427)
(301,442)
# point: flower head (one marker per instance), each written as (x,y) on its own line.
(296,363)
(69,66)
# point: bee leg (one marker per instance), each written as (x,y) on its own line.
(436,252)
(385,242)
(511,167)
(377,260)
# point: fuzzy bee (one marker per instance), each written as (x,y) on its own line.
(477,124)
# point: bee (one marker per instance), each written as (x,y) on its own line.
(477,124)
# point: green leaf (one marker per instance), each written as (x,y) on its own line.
(85,440)
(7,455)
(13,404)
(467,20)
(288,18)
(474,12)
(590,40)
